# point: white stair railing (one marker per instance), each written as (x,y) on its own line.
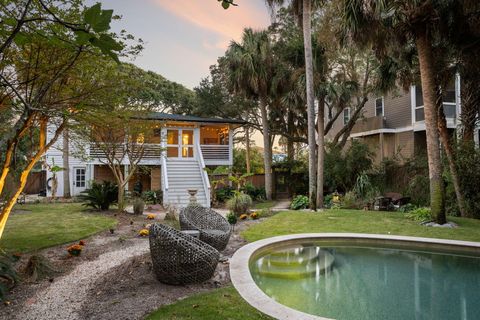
(203,172)
(164,180)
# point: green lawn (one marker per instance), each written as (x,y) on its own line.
(359,222)
(44,225)
(267,204)
(223,303)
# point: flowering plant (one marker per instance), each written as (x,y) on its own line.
(82,242)
(150,216)
(75,250)
(143,232)
(254,215)
(243,216)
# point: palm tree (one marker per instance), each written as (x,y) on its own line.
(389,24)
(250,66)
(303,10)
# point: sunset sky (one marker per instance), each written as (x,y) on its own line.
(184,37)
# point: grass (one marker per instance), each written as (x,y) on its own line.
(223,303)
(357,221)
(267,204)
(38,226)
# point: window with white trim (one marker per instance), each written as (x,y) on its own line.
(346,115)
(379,107)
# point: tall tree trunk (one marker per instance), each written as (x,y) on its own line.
(307,42)
(267,150)
(321,150)
(447,146)
(427,74)
(66,164)
(290,143)
(247,149)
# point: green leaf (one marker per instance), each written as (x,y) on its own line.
(92,14)
(82,37)
(103,23)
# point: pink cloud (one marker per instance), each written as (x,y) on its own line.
(209,15)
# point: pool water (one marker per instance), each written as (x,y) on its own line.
(365,282)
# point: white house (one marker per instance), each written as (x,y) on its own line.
(175,158)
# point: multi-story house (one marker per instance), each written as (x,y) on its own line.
(394,125)
(175,156)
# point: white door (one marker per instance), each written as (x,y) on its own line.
(79,179)
(180,143)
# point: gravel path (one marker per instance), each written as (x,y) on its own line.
(63,299)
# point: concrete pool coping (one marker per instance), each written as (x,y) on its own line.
(245,285)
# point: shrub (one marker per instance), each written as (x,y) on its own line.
(299,202)
(240,203)
(100,195)
(350,201)
(231,218)
(152,197)
(223,194)
(254,192)
(39,267)
(254,215)
(243,216)
(8,275)
(343,168)
(420,214)
(407,208)
(138,206)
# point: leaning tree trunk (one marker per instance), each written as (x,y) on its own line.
(267,150)
(66,164)
(307,42)
(321,150)
(247,149)
(447,146)
(470,96)
(427,74)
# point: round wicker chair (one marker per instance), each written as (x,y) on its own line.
(179,258)
(214,228)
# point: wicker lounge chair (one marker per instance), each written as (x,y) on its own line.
(214,228)
(179,258)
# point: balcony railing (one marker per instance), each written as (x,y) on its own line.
(369,124)
(150,151)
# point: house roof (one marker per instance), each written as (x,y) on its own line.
(180,117)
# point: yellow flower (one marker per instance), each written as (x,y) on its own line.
(254,215)
(243,216)
(150,216)
(143,232)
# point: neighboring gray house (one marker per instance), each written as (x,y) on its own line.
(179,150)
(393,125)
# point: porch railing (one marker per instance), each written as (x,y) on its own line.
(150,151)
(215,152)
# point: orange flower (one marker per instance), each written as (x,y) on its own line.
(254,215)
(243,216)
(150,216)
(82,242)
(143,232)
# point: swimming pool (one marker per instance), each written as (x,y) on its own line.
(340,276)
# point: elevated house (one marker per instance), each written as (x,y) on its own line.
(174,159)
(394,125)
